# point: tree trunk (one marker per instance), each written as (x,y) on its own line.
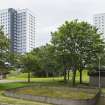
(29,76)
(65,79)
(64,66)
(53,75)
(68,73)
(80,76)
(73,78)
(47,74)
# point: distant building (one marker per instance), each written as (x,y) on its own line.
(19,26)
(99,22)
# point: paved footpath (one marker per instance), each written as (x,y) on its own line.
(9,81)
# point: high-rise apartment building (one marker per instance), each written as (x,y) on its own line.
(99,22)
(19,26)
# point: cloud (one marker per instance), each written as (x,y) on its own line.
(52,13)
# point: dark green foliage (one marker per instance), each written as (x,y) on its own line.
(74,46)
(78,44)
(49,64)
(4,52)
(29,63)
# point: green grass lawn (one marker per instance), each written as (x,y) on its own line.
(12,101)
(23,76)
(12,85)
(56,81)
(103,90)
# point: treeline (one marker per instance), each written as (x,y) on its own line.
(76,45)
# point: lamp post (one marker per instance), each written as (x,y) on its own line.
(99,64)
(99,73)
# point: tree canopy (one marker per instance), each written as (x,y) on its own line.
(4,51)
(78,43)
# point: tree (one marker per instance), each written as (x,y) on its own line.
(29,64)
(78,43)
(4,51)
(48,61)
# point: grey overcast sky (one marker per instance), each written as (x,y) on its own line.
(52,13)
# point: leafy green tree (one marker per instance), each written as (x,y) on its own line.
(47,59)
(77,43)
(29,64)
(15,60)
(4,51)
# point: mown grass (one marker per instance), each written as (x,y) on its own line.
(103,90)
(54,81)
(23,76)
(12,101)
(12,85)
